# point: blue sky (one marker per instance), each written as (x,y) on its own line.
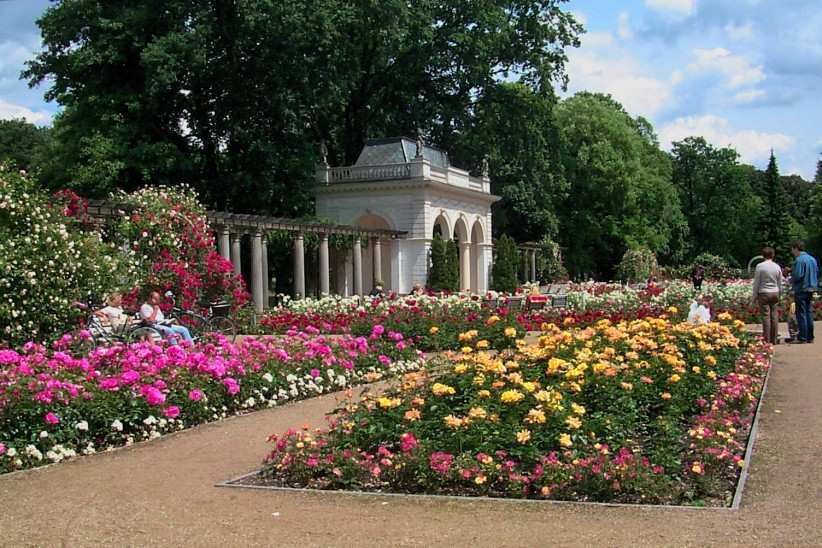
(745,73)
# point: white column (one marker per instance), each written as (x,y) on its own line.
(533,254)
(224,243)
(376,255)
(465,266)
(266,273)
(257,271)
(235,253)
(357,251)
(299,266)
(324,272)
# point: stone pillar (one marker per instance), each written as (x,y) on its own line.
(235,253)
(357,266)
(377,256)
(533,254)
(325,284)
(465,265)
(257,271)
(299,266)
(525,276)
(224,243)
(266,274)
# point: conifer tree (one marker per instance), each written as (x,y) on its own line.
(438,265)
(775,223)
(504,271)
(452,280)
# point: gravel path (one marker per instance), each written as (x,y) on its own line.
(163,492)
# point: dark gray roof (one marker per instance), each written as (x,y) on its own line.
(398,150)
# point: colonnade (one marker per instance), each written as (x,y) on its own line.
(529,264)
(229,247)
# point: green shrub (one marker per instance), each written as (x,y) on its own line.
(637,265)
(504,271)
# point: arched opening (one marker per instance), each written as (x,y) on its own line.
(478,275)
(383,270)
(441,228)
(463,239)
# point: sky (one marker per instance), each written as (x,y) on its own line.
(744,73)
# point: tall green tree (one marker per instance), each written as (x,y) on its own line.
(717,199)
(233,95)
(776,226)
(620,193)
(504,269)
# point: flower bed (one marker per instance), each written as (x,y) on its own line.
(646,411)
(55,404)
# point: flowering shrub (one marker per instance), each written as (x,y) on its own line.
(45,263)
(167,230)
(603,413)
(55,404)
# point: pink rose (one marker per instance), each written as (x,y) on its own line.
(2,448)
(51,418)
(172,411)
(154,396)
(195,395)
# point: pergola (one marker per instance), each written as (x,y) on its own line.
(231,227)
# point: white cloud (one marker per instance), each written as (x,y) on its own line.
(751,145)
(672,7)
(9,111)
(624,26)
(599,65)
(736,70)
(749,96)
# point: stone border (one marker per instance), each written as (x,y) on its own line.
(734,507)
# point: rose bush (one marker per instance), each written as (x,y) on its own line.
(55,403)
(46,263)
(645,411)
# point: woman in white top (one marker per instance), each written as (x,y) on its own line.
(767,286)
(152,315)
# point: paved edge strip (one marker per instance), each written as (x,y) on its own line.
(752,435)
(234,482)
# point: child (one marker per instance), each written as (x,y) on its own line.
(793,327)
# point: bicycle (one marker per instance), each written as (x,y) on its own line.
(217,319)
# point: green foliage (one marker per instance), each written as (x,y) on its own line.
(716,268)
(717,199)
(23,144)
(231,97)
(621,194)
(549,262)
(504,272)
(776,227)
(438,264)
(46,263)
(452,268)
(637,265)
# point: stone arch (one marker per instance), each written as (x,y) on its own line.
(373,220)
(442,226)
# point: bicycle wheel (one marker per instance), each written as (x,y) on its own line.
(224,326)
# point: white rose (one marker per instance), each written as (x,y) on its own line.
(117,426)
(82,426)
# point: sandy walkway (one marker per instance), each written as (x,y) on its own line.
(163,493)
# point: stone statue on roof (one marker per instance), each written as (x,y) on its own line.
(485,170)
(420,143)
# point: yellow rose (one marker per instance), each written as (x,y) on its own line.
(535,416)
(565,440)
(511,396)
(523,436)
(573,423)
(510,332)
(483,393)
(434,330)
(412,415)
(442,390)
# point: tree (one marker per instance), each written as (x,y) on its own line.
(514,128)
(504,270)
(24,144)
(233,96)
(620,193)
(438,265)
(776,226)
(717,199)
(452,267)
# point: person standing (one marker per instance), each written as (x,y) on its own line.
(804,279)
(767,287)
(698,276)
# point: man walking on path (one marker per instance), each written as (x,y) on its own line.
(804,281)
(767,287)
